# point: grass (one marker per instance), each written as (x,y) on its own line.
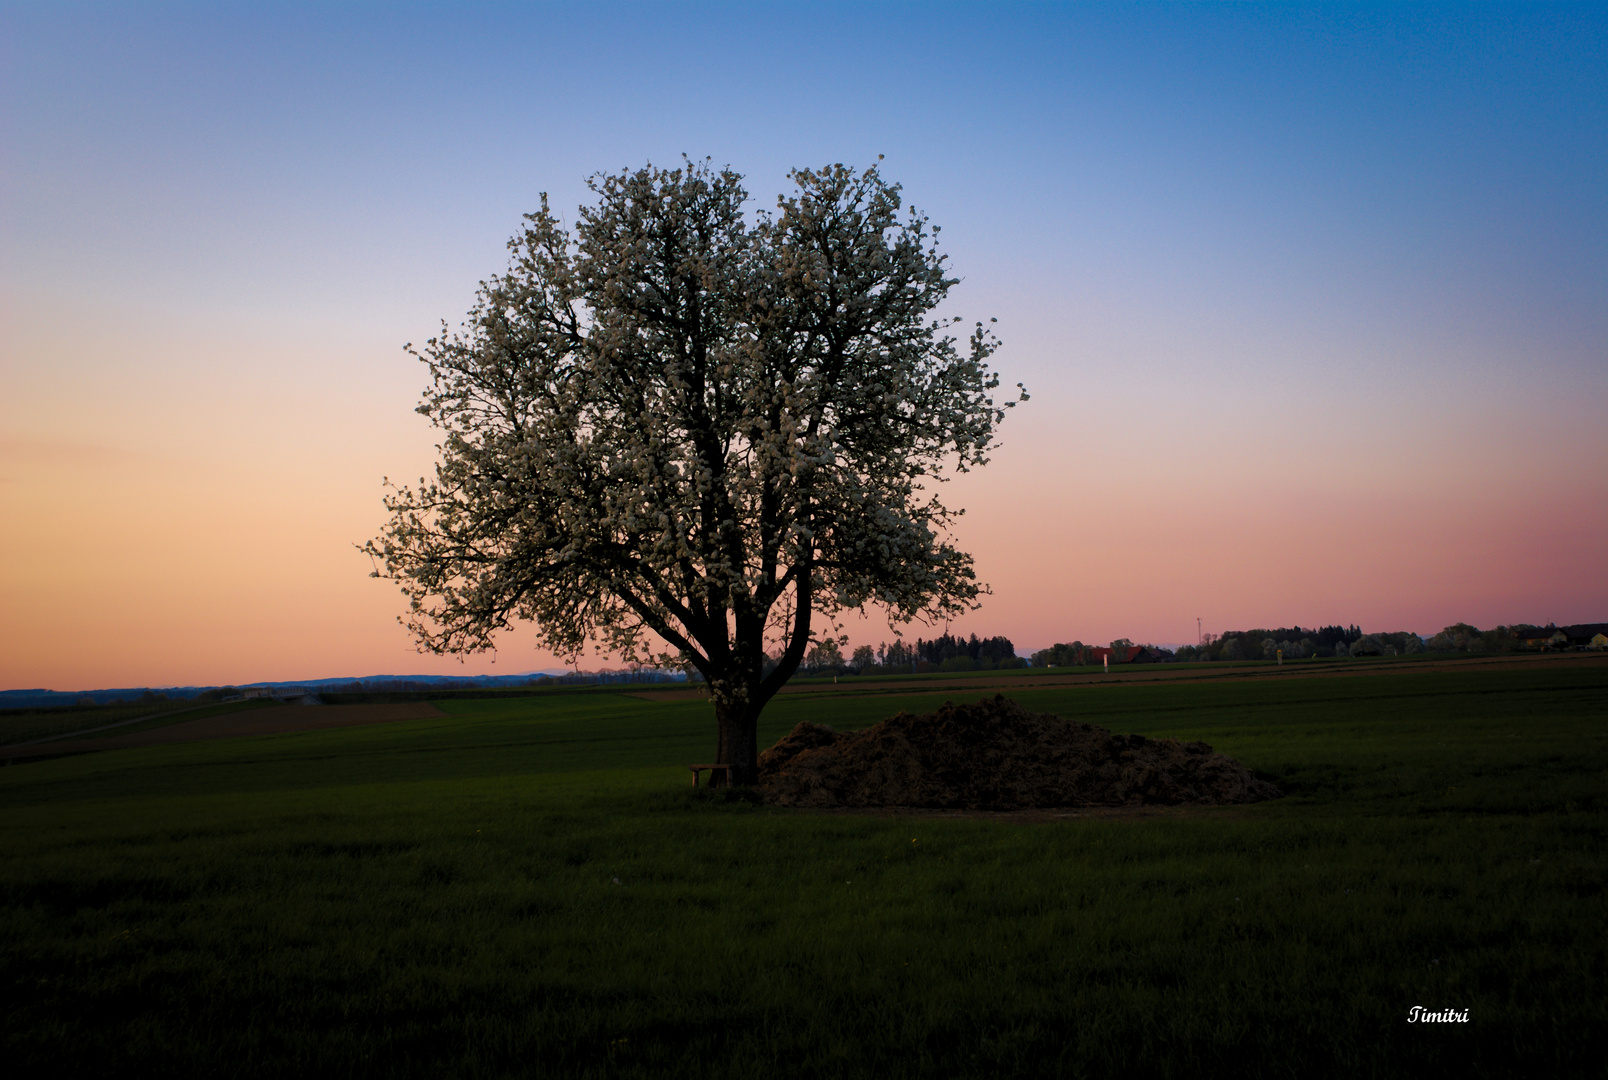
(180,716)
(103,721)
(23,725)
(530,886)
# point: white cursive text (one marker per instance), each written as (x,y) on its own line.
(1421,1015)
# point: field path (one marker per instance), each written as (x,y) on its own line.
(232,725)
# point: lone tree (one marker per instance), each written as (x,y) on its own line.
(681,434)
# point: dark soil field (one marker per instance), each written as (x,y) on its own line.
(530,886)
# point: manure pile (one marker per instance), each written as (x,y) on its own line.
(995,755)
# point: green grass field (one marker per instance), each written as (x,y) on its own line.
(529,887)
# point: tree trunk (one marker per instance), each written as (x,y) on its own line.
(738,733)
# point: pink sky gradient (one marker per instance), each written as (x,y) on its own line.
(1315,323)
(172,532)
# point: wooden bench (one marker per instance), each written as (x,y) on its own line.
(714,771)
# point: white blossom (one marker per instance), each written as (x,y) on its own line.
(677,433)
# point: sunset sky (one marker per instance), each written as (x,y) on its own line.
(1312,301)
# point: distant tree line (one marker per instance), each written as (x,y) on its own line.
(943,653)
(1066,654)
(1120,651)
(1339,642)
(1286,642)
(1520,637)
(1299,643)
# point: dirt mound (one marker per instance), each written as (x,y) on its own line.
(995,755)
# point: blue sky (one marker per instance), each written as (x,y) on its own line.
(1383,145)
(1270,271)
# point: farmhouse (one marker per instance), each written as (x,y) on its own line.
(1545,638)
(1588,635)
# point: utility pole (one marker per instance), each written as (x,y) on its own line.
(1200,639)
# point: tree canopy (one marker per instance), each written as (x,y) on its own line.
(683,431)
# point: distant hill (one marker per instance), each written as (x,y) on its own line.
(45,699)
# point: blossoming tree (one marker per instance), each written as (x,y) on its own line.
(686,435)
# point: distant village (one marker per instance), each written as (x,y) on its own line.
(954,654)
